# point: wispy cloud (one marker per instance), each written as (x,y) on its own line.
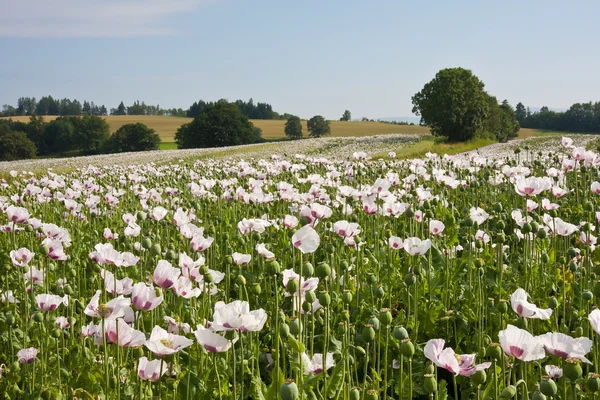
(91,18)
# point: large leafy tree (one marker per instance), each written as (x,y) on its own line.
(222,124)
(453,104)
(134,137)
(293,127)
(318,126)
(59,136)
(15,146)
(91,132)
(347,116)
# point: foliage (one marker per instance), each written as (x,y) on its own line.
(501,122)
(318,126)
(249,109)
(59,136)
(453,104)
(580,117)
(222,124)
(293,127)
(134,137)
(15,145)
(347,116)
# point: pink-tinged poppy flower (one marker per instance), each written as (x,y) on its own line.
(530,186)
(116,286)
(8,297)
(237,316)
(549,206)
(245,226)
(241,259)
(17,215)
(566,142)
(415,246)
(521,344)
(594,319)
(35,276)
(27,356)
(306,286)
(306,239)
(55,249)
(596,187)
(200,243)
(563,228)
(121,333)
(180,217)
(133,230)
(290,222)
(50,302)
(395,243)
(144,297)
(21,257)
(176,326)
(158,213)
(151,370)
(165,275)
(264,252)
(105,254)
(163,343)
(553,371)
(109,235)
(436,227)
(564,346)
(314,365)
(346,229)
(442,357)
(62,322)
(116,308)
(531,205)
(211,341)
(186,262)
(525,309)
(478,215)
(588,238)
(11,227)
(183,287)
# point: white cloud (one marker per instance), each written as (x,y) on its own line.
(90,18)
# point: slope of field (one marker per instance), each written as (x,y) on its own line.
(272,129)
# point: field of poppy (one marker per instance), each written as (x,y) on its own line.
(318,273)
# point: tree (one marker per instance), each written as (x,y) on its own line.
(453,104)
(520,113)
(509,126)
(15,146)
(90,133)
(223,124)
(59,136)
(318,126)
(134,137)
(121,109)
(293,127)
(347,116)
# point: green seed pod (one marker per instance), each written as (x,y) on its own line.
(385,316)
(508,393)
(292,286)
(255,288)
(372,395)
(545,257)
(344,265)
(479,377)
(379,292)
(538,396)
(15,367)
(572,252)
(572,369)
(500,225)
(578,332)
(400,333)
(208,278)
(146,243)
(593,382)
(342,328)
(306,306)
(371,279)
(324,299)
(552,302)
(429,369)
(240,280)
(323,270)
(541,234)
(410,279)
(310,296)
(498,207)
(44,250)
(468,222)
(294,326)
(430,384)
(155,249)
(347,297)
(38,317)
(307,270)
(354,394)
(10,319)
(502,306)
(289,390)
(171,255)
(409,213)
(407,349)
(526,228)
(573,266)
(284,331)
(272,267)
(494,351)
(587,295)
(375,323)
(548,386)
(368,333)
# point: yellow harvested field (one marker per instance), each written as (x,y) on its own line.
(272,129)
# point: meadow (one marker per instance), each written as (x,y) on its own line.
(321,273)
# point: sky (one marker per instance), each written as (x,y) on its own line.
(304,57)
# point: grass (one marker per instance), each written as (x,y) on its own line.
(272,129)
(168,146)
(437,145)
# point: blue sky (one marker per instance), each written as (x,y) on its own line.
(304,57)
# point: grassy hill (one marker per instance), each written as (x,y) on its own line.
(272,129)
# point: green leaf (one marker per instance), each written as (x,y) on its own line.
(257,388)
(443,390)
(334,384)
(295,345)
(278,378)
(437,258)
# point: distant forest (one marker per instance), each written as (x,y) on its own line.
(48,105)
(580,117)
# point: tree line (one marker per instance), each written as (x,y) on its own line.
(248,108)
(74,135)
(580,117)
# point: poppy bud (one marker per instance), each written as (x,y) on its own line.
(15,367)
(502,306)
(400,333)
(371,279)
(306,306)
(468,222)
(324,299)
(587,295)
(347,297)
(208,278)
(307,270)
(292,286)
(494,351)
(553,302)
(410,213)
(323,270)
(572,369)
(548,386)
(330,248)
(342,328)
(479,377)
(545,258)
(508,393)
(407,349)
(284,331)
(272,267)
(289,390)
(379,292)
(368,333)
(344,265)
(573,266)
(10,319)
(430,384)
(571,252)
(155,249)
(578,332)
(409,279)
(498,207)
(255,288)
(294,326)
(38,317)
(146,243)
